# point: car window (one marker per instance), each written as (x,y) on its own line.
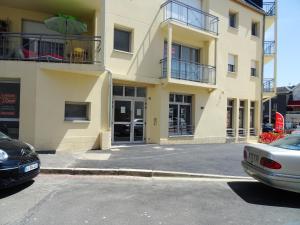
(291,142)
(3,136)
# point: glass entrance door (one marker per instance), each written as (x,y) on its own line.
(122,121)
(138,122)
(129,121)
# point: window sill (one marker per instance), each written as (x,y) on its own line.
(231,74)
(181,136)
(255,38)
(233,29)
(254,77)
(77,121)
(122,52)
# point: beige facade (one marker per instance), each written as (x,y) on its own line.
(203,84)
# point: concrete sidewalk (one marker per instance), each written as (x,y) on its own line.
(215,159)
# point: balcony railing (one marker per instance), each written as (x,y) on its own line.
(270,8)
(190,16)
(269,85)
(253,132)
(269,47)
(190,71)
(50,48)
(230,132)
(242,132)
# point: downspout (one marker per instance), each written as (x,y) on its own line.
(110,89)
(262,74)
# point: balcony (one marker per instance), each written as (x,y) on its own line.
(189,71)
(269,85)
(270,8)
(190,17)
(71,49)
(269,48)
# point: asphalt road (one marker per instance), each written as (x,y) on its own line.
(77,200)
(220,159)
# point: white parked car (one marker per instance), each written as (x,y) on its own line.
(276,164)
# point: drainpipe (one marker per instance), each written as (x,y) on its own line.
(262,74)
(109,117)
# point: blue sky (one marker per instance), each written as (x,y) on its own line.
(288,42)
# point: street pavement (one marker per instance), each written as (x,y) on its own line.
(219,159)
(96,200)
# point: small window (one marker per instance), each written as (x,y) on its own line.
(117,90)
(231,63)
(233,19)
(77,111)
(129,91)
(255,29)
(140,92)
(253,68)
(122,40)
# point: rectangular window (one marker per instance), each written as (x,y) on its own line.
(77,111)
(242,115)
(255,29)
(253,68)
(122,40)
(230,114)
(252,115)
(231,63)
(180,115)
(129,91)
(233,19)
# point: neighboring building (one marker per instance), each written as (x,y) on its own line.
(165,72)
(286,102)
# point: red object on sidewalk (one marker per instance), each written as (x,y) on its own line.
(279,123)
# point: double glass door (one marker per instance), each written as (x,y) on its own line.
(129,121)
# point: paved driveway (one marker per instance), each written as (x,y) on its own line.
(221,159)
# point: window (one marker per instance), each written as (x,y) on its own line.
(242,115)
(77,111)
(255,29)
(122,40)
(230,113)
(233,20)
(231,63)
(129,91)
(252,115)
(180,115)
(253,68)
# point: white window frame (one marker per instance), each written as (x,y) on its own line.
(254,67)
(232,61)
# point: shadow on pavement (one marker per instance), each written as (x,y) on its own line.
(260,194)
(4,193)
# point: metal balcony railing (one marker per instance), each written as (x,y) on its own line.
(230,132)
(269,85)
(180,130)
(253,132)
(50,48)
(242,132)
(189,71)
(269,47)
(190,16)
(270,8)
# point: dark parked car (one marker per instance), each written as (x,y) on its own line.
(19,162)
(267,127)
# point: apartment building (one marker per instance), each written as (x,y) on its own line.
(166,72)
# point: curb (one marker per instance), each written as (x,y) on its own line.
(135,173)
